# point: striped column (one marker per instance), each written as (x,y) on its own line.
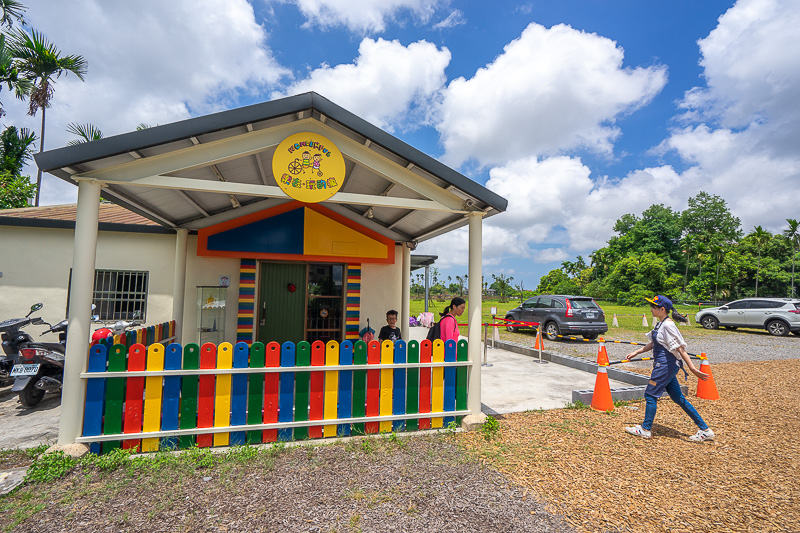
(353,302)
(247,295)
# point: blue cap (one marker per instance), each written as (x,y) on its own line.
(661,301)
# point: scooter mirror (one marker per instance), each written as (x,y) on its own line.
(34,308)
(94,307)
(137,314)
(95,318)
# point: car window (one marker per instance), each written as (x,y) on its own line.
(545,303)
(558,304)
(530,303)
(741,304)
(583,303)
(764,304)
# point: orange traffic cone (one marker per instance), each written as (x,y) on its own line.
(601,397)
(707,390)
(539,343)
(644,321)
(602,354)
(615,322)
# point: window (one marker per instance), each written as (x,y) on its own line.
(530,303)
(741,304)
(118,294)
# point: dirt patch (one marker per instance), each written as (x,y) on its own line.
(415,484)
(602,479)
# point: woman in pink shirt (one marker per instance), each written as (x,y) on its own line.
(448,325)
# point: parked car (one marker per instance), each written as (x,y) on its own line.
(561,315)
(779,316)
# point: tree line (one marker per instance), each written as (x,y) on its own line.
(701,253)
(29,66)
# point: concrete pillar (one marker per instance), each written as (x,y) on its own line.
(84,252)
(474,309)
(405,306)
(179,283)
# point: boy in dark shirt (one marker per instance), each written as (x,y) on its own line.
(390,332)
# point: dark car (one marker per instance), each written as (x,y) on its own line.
(562,315)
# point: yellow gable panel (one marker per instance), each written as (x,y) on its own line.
(324,236)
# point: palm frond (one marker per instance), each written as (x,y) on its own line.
(87,132)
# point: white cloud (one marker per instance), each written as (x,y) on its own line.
(455,18)
(149,61)
(385,83)
(362,16)
(748,151)
(550,90)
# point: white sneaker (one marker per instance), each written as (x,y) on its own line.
(702,435)
(639,431)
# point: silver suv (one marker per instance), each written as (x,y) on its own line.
(779,316)
(561,315)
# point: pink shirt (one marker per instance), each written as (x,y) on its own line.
(449,328)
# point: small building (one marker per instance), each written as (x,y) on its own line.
(288,220)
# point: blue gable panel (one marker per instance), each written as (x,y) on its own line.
(281,234)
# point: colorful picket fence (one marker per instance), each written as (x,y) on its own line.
(181,396)
(164,331)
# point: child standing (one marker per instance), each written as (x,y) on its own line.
(390,332)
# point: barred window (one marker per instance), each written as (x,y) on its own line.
(118,294)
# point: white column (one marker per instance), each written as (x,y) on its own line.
(179,283)
(84,252)
(405,305)
(475,305)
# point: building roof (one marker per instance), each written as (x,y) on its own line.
(109,213)
(205,170)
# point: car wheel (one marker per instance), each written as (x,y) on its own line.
(512,329)
(551,331)
(709,322)
(591,337)
(777,328)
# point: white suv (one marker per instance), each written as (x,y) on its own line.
(779,316)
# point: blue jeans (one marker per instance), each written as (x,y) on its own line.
(675,393)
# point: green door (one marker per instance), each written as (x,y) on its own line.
(281,311)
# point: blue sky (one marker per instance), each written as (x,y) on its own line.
(577,111)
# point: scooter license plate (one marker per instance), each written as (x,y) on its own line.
(24,370)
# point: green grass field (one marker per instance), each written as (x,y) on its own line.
(629,317)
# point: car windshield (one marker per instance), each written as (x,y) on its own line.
(583,303)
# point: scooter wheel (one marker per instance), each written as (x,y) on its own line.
(30,396)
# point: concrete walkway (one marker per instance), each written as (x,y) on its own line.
(516,383)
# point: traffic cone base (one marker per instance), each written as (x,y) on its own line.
(601,397)
(707,390)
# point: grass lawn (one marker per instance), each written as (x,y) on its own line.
(629,317)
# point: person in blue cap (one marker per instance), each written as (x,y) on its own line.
(669,356)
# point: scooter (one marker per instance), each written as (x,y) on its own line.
(13,338)
(42,364)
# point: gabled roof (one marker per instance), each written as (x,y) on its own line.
(112,217)
(204,170)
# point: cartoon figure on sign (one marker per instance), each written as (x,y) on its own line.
(317,158)
(307,161)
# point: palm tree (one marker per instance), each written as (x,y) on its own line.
(11,10)
(41,62)
(86,133)
(793,234)
(760,238)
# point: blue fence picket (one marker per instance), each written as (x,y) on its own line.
(172,394)
(239,393)
(95,396)
(286,398)
(345,386)
(399,385)
(449,380)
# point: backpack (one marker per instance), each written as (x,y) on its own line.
(436,330)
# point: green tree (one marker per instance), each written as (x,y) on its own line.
(793,234)
(502,284)
(15,149)
(41,62)
(760,237)
(708,218)
(556,282)
(85,132)
(11,11)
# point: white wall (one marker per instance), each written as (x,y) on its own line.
(36,264)
(381,290)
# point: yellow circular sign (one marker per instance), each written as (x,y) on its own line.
(308,167)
